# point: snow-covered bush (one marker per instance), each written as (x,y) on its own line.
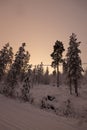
(46,102)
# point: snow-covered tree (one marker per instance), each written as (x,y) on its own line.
(6,57)
(26,85)
(38,72)
(57,57)
(21,59)
(74,64)
(35,75)
(20,63)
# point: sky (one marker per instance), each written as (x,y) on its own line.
(39,23)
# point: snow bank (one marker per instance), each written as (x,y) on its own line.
(15,115)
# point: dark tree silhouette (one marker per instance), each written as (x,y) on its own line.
(57,57)
(74,65)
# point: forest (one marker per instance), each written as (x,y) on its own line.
(61,93)
(57,92)
(15,68)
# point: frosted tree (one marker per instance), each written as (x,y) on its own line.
(26,85)
(25,65)
(21,60)
(57,57)
(6,57)
(74,64)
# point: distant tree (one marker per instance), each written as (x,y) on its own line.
(53,77)
(47,71)
(84,79)
(40,71)
(54,72)
(46,76)
(57,57)
(35,75)
(21,60)
(74,64)
(6,57)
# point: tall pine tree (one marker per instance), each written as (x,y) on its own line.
(6,57)
(21,60)
(74,64)
(57,57)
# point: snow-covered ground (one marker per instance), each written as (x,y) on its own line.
(62,112)
(63,103)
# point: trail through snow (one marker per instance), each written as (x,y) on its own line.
(16,115)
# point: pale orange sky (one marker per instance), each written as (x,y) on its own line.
(39,23)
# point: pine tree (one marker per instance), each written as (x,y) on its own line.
(57,57)
(26,85)
(35,75)
(6,57)
(21,59)
(19,65)
(74,64)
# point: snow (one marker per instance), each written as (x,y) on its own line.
(19,115)
(22,116)
(62,95)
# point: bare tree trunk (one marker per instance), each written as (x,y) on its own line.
(57,75)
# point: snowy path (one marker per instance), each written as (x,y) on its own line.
(22,116)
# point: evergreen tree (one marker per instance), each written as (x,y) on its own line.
(21,60)
(35,74)
(26,85)
(6,57)
(74,65)
(57,57)
(54,77)
(46,76)
(40,71)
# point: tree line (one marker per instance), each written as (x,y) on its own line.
(16,68)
